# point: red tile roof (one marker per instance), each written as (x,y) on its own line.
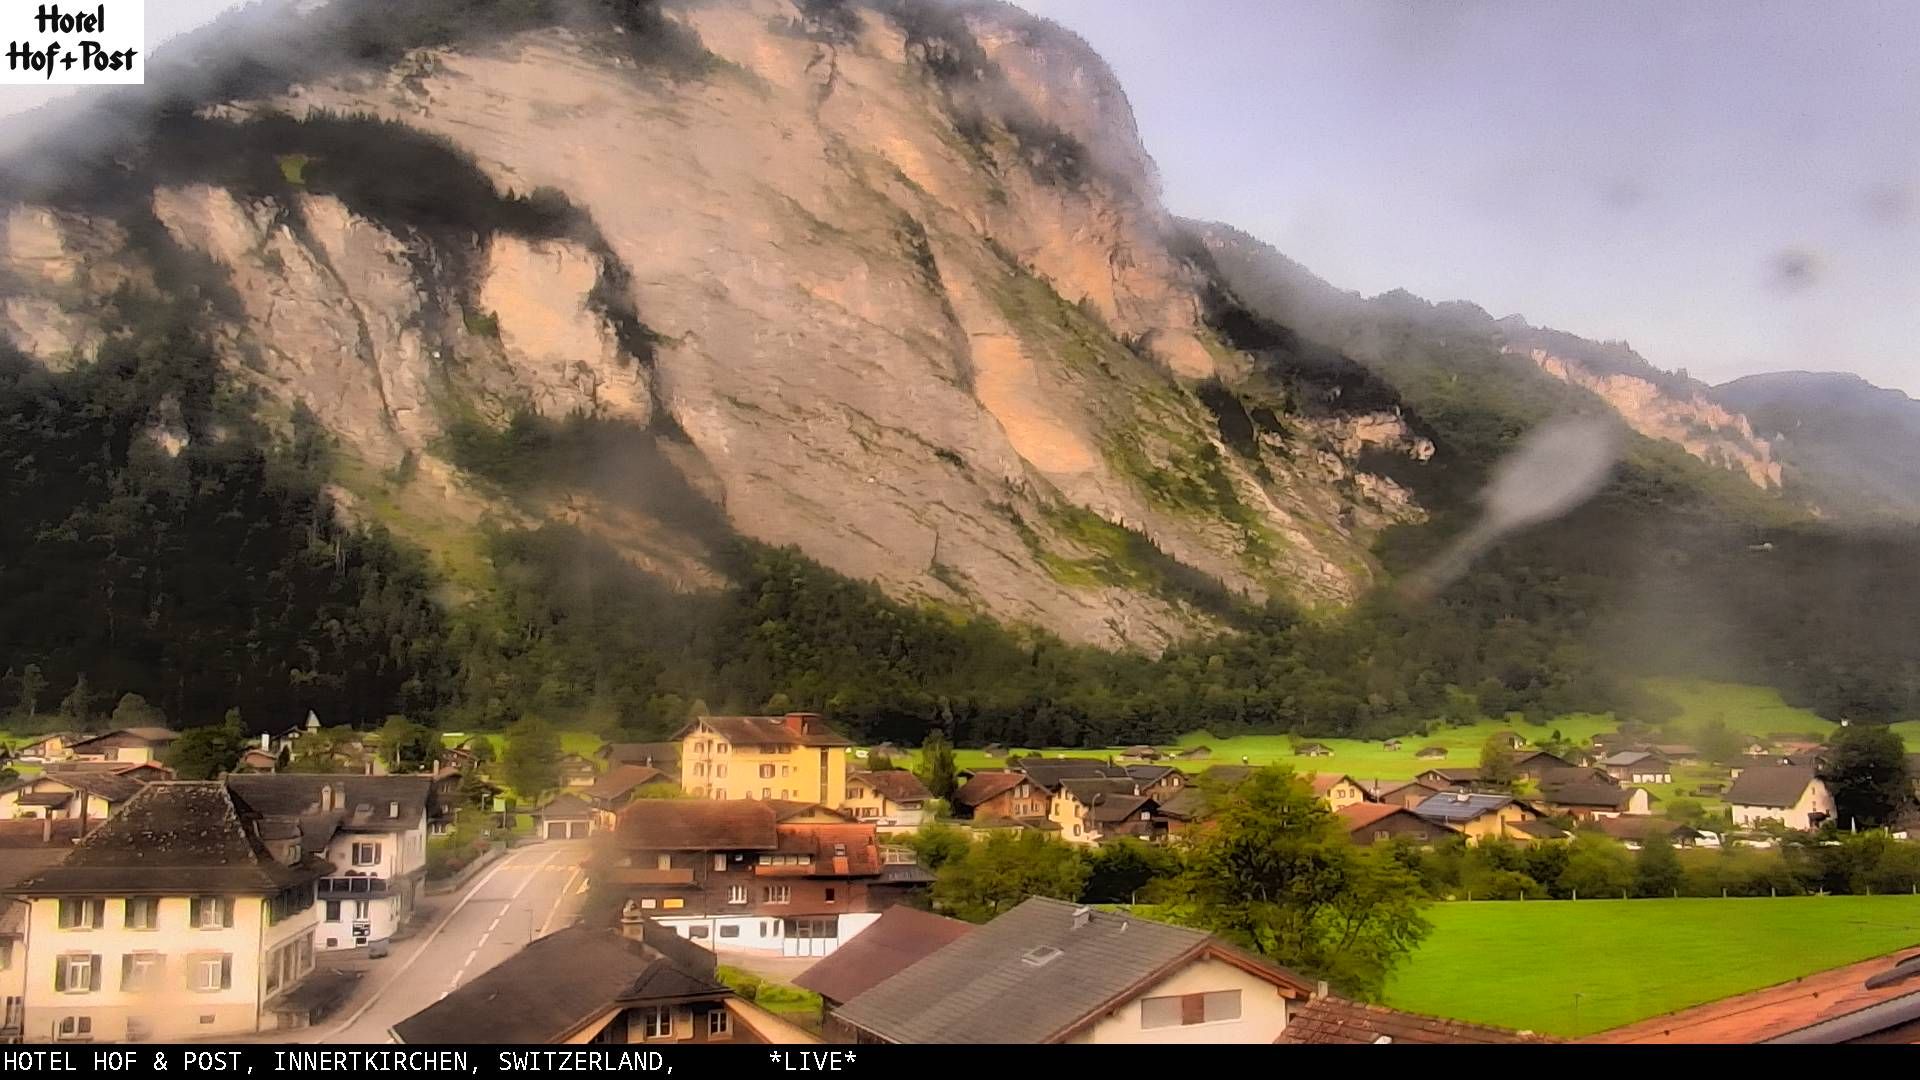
(697,825)
(985,785)
(1776,1010)
(898,785)
(895,941)
(1328,1020)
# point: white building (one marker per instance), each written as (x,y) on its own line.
(1790,794)
(373,829)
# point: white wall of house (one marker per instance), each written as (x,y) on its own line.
(1816,799)
(346,920)
(769,934)
(173,1004)
(1257,1011)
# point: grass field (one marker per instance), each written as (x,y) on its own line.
(1521,964)
(1753,710)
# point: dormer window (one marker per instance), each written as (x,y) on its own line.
(393,809)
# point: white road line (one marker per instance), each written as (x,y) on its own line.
(558,900)
(439,929)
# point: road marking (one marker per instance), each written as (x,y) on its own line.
(439,929)
(558,900)
(458,975)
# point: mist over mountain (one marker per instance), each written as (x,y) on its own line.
(1856,444)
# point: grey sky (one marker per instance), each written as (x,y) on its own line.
(1730,187)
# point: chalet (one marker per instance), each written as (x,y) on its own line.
(1141,753)
(1790,794)
(581,985)
(1638,767)
(617,787)
(1481,816)
(788,878)
(372,829)
(1430,753)
(183,916)
(1510,740)
(1226,777)
(565,817)
(893,799)
(1313,749)
(1536,763)
(1369,823)
(75,789)
(795,757)
(1390,744)
(1403,793)
(576,771)
(900,938)
(1000,796)
(1185,809)
(1591,798)
(1091,809)
(50,747)
(1337,789)
(1678,753)
(1447,779)
(1052,972)
(1049,773)
(664,756)
(1158,781)
(133,745)
(255,759)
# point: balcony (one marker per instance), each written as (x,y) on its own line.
(635,875)
(356,888)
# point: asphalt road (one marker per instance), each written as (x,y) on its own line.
(527,894)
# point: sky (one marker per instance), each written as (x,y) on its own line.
(1730,188)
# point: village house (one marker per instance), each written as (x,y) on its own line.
(1313,749)
(186,915)
(576,771)
(1479,815)
(565,817)
(1159,782)
(1789,794)
(785,878)
(91,790)
(1638,767)
(53,746)
(795,757)
(1677,753)
(1184,810)
(1370,823)
(1583,794)
(1390,744)
(1430,753)
(1634,831)
(1448,779)
(26,847)
(371,829)
(664,756)
(1089,809)
(135,745)
(1337,789)
(598,987)
(1403,793)
(1053,972)
(894,800)
(900,938)
(617,787)
(1000,795)
(1329,1020)
(1509,740)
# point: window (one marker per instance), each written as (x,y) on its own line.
(786,770)
(697,931)
(75,1027)
(719,1022)
(82,913)
(1184,1010)
(823,927)
(736,894)
(720,770)
(138,1030)
(141,971)
(749,793)
(365,854)
(779,894)
(6,954)
(719,862)
(856,793)
(656,1022)
(648,903)
(766,772)
(766,793)
(143,912)
(673,902)
(663,862)
(212,912)
(729,931)
(208,972)
(76,973)
(333,911)
(829,896)
(362,908)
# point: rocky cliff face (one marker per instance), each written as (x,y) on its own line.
(893,286)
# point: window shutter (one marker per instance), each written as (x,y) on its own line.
(226,972)
(59,974)
(1193,1009)
(226,911)
(93,975)
(126,971)
(99,912)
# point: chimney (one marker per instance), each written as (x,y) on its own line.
(266,742)
(393,809)
(1320,989)
(46,829)
(801,723)
(1081,916)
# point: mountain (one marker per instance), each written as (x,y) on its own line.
(888,283)
(1856,445)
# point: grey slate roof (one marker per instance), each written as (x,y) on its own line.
(1049,773)
(1774,786)
(175,836)
(1029,976)
(559,982)
(366,805)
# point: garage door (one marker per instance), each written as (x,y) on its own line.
(577,830)
(556,830)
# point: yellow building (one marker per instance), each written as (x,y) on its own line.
(183,916)
(1338,790)
(796,757)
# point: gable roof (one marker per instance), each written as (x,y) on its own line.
(982,786)
(898,939)
(660,755)
(770,730)
(1773,786)
(899,785)
(1036,974)
(1359,816)
(1594,793)
(364,803)
(1324,782)
(1050,773)
(1631,757)
(1463,775)
(1187,804)
(1150,774)
(1453,807)
(698,825)
(1539,829)
(622,779)
(133,736)
(1333,1020)
(1091,790)
(565,807)
(175,836)
(1111,809)
(557,984)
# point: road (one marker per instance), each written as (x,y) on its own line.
(526,895)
